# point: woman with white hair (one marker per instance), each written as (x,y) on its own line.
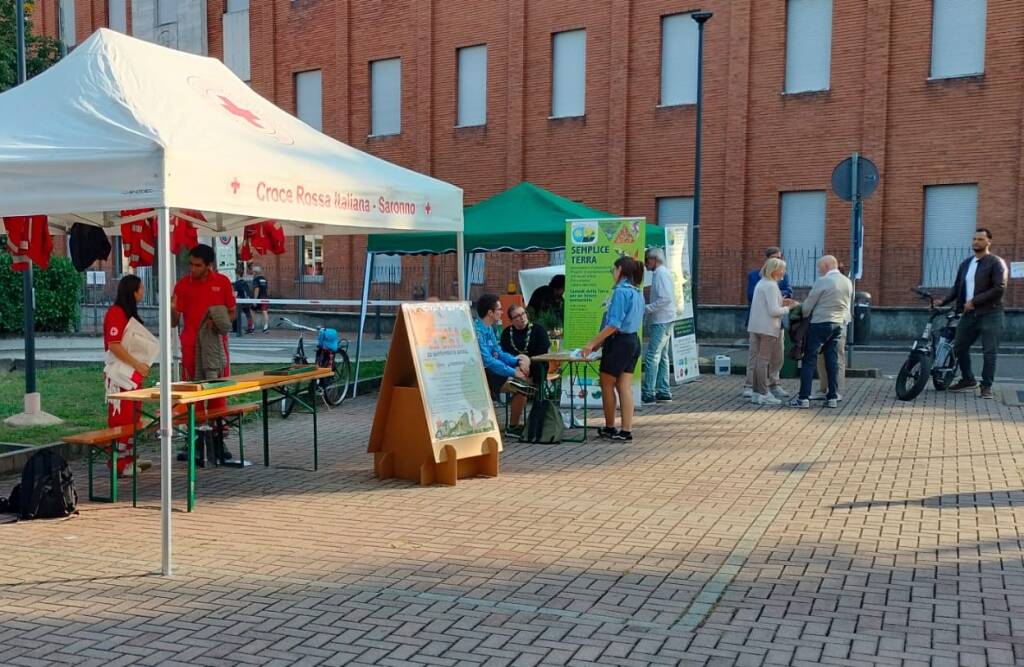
(765,326)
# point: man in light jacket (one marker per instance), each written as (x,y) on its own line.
(660,314)
(828,306)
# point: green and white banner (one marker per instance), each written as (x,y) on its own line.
(685,356)
(591,248)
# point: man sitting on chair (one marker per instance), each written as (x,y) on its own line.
(505,372)
(523,337)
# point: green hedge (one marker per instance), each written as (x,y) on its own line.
(58,296)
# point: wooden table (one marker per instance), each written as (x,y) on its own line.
(572,363)
(288,386)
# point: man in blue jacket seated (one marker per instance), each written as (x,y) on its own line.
(505,372)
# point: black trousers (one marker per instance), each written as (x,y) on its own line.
(972,326)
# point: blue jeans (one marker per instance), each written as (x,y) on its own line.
(822,337)
(656,362)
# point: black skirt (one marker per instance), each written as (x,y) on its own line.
(620,354)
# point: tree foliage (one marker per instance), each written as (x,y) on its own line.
(41,50)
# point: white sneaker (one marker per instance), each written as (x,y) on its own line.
(832,403)
(818,396)
(748,392)
(778,391)
(764,399)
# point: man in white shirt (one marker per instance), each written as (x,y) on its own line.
(660,314)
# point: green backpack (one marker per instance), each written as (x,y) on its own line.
(545,424)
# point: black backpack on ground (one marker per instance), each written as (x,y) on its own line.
(47,487)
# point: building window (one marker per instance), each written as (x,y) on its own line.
(568,74)
(387,269)
(67,23)
(386,97)
(950,218)
(958,38)
(677,211)
(309,98)
(678,60)
(236,38)
(117,16)
(808,45)
(166,11)
(802,234)
(311,259)
(472,104)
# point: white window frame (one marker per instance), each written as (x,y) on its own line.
(236,6)
(117,15)
(953,55)
(679,46)
(569,74)
(802,249)
(236,32)
(316,243)
(954,208)
(385,122)
(471,86)
(387,269)
(66,15)
(808,46)
(309,100)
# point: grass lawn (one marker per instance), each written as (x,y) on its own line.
(76,395)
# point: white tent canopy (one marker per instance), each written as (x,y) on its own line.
(122,124)
(125,124)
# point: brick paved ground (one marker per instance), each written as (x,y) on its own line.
(882,533)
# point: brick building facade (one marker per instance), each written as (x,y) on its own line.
(888,91)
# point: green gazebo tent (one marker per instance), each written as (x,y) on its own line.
(524,218)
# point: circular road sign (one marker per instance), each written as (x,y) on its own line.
(867,178)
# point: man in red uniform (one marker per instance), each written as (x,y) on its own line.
(193,296)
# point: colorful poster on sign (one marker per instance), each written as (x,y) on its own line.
(591,248)
(685,357)
(456,396)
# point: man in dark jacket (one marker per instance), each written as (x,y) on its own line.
(978,293)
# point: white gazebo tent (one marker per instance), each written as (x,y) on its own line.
(124,124)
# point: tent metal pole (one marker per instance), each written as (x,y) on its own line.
(367,273)
(460,250)
(166,287)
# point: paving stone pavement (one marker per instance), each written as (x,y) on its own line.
(882,533)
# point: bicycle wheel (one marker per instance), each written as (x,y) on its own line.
(336,387)
(913,376)
(286,406)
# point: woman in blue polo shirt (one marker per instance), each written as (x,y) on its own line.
(620,346)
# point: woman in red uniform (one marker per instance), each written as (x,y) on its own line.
(123,413)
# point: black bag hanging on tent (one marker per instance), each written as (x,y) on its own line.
(47,487)
(545,423)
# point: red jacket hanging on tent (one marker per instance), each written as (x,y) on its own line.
(138,236)
(184,235)
(28,239)
(262,237)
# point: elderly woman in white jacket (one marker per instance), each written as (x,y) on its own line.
(766,311)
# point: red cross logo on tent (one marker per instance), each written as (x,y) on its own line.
(427,208)
(234,186)
(244,114)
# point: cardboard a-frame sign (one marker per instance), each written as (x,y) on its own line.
(435,420)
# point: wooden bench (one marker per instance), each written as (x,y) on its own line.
(103,442)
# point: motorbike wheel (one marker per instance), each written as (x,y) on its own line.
(913,377)
(286,405)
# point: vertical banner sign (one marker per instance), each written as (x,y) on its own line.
(225,249)
(591,248)
(685,359)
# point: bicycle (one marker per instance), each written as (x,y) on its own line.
(331,352)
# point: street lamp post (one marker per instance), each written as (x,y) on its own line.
(701,18)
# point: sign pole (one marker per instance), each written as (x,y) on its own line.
(701,18)
(854,253)
(28,293)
